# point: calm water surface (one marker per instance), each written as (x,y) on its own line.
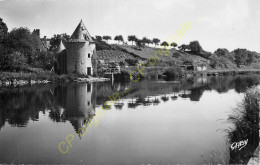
(154,122)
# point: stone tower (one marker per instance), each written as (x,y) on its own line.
(80,49)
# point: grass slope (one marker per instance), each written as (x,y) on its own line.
(174,55)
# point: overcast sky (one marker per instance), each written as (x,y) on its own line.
(227,24)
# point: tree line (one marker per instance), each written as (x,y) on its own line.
(19,49)
(133,39)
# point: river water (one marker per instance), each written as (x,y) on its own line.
(152,121)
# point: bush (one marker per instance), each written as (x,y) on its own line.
(44,60)
(121,64)
(173,72)
(101,45)
(222,52)
(136,48)
(245,120)
(206,55)
(213,63)
(13,62)
(176,54)
(132,62)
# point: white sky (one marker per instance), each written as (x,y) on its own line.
(222,23)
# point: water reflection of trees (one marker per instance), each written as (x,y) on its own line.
(76,102)
(19,105)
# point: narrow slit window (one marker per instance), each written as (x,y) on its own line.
(89,55)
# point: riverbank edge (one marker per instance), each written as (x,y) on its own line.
(9,79)
(254,160)
(20,79)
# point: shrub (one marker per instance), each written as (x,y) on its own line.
(132,62)
(136,48)
(165,44)
(44,60)
(222,52)
(174,44)
(206,55)
(176,54)
(173,72)
(245,120)
(13,62)
(183,47)
(213,63)
(121,64)
(101,45)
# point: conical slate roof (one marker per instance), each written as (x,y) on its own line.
(60,48)
(81,33)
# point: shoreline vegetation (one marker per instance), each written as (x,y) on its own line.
(245,121)
(25,58)
(13,79)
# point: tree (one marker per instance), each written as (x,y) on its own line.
(183,47)
(174,44)
(206,54)
(149,41)
(119,38)
(132,38)
(21,40)
(195,47)
(241,56)
(139,43)
(222,52)
(156,41)
(3,30)
(144,40)
(106,38)
(98,38)
(252,57)
(55,40)
(165,44)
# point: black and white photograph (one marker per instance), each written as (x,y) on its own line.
(130,82)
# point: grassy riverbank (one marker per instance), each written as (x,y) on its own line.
(245,121)
(38,77)
(43,77)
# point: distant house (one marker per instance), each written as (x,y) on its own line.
(195,66)
(201,67)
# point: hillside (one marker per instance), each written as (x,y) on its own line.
(120,53)
(174,57)
(114,53)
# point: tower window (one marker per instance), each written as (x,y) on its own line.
(88,55)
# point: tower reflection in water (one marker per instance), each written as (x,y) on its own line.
(75,104)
